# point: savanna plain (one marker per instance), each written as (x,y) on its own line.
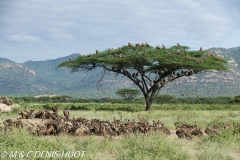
(225,145)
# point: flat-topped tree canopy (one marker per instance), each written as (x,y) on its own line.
(150,68)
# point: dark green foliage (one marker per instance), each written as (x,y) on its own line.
(235,99)
(164,99)
(128,93)
(132,57)
(118,107)
(43,99)
(160,99)
(80,107)
(202,100)
(134,107)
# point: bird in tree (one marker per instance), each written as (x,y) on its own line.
(149,68)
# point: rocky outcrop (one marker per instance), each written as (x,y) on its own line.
(13,65)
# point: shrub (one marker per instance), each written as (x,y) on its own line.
(235,99)
(80,107)
(164,99)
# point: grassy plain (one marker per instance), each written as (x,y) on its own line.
(157,146)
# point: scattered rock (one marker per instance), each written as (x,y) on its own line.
(6,104)
(5,108)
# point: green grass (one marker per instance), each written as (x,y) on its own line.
(154,146)
(132,107)
(157,146)
(222,146)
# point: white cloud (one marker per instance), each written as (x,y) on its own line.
(22,37)
(58,28)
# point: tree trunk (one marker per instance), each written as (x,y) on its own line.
(148,103)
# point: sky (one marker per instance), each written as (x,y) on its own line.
(48,29)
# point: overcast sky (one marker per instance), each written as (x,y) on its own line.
(48,29)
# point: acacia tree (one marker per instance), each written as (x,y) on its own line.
(128,93)
(149,68)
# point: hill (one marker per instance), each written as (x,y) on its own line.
(43,77)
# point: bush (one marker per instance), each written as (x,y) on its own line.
(235,99)
(80,107)
(161,99)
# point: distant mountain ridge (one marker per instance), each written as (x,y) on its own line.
(43,77)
